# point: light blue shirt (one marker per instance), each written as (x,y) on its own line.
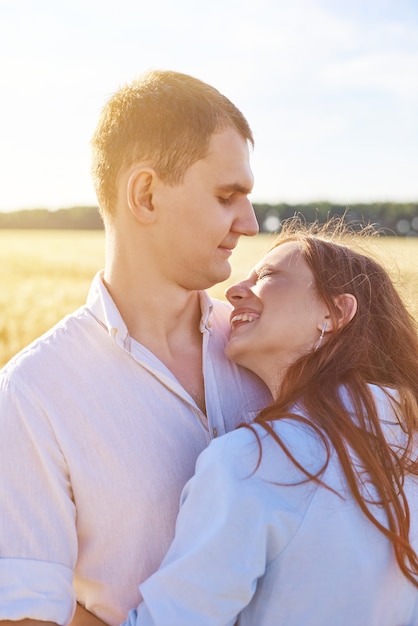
(276,554)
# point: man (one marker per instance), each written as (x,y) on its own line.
(102,418)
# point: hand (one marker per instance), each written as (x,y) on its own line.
(82,617)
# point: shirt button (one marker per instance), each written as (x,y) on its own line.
(214,432)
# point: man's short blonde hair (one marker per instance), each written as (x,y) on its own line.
(165,119)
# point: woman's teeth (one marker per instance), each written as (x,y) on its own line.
(242,317)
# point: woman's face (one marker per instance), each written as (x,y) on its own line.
(277,314)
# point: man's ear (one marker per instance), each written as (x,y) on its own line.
(139,194)
(346,308)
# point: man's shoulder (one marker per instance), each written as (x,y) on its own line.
(51,345)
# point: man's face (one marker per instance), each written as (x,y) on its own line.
(201,219)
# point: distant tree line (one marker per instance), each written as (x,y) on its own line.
(75,218)
(392,218)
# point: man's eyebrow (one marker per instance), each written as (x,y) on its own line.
(234,188)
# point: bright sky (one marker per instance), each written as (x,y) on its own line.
(330,88)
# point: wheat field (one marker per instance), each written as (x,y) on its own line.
(46,274)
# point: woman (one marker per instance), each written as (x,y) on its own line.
(309,516)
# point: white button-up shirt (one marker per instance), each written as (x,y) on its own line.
(97,440)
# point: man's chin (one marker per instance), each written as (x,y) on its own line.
(219,277)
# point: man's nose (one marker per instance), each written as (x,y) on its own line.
(246,221)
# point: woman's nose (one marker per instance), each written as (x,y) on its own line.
(235,293)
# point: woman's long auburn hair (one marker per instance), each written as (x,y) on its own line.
(378,346)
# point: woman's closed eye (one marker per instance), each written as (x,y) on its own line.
(265,272)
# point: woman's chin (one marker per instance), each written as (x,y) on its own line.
(236,355)
(230,351)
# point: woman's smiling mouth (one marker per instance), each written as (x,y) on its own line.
(243,318)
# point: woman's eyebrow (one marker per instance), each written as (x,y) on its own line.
(266,266)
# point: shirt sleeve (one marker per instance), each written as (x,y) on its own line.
(220,548)
(38,544)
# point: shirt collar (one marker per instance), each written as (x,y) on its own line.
(206,307)
(101,305)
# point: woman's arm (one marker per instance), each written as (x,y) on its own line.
(227,533)
(220,548)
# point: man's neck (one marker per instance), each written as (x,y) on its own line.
(165,319)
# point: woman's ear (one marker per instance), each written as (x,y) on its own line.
(346,308)
(139,194)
